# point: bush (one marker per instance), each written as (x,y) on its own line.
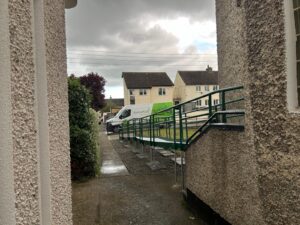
(95,131)
(83,134)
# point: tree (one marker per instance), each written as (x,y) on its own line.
(95,84)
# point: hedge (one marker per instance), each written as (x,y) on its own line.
(84,136)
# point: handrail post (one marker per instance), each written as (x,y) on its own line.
(186,127)
(180,127)
(153,126)
(209,106)
(133,129)
(223,105)
(150,129)
(141,129)
(128,134)
(174,127)
(217,117)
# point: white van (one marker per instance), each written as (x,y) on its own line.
(129,112)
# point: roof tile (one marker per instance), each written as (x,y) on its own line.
(199,77)
(136,80)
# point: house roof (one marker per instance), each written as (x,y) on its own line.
(199,77)
(135,80)
(116,101)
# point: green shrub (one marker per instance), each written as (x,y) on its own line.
(83,134)
(95,131)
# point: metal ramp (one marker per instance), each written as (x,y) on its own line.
(177,127)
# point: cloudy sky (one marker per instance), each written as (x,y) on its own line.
(114,36)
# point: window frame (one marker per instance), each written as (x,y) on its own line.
(216,102)
(161,91)
(199,103)
(143,91)
(206,87)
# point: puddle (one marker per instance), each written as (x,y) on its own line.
(113,167)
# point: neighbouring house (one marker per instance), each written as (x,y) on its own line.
(34,123)
(252,176)
(147,87)
(192,84)
(114,104)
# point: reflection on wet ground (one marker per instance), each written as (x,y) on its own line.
(112,167)
(112,164)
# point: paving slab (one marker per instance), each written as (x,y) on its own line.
(142,156)
(166,153)
(134,150)
(178,160)
(155,165)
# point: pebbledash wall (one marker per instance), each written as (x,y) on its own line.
(34,130)
(253,176)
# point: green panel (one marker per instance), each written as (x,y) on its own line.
(157,107)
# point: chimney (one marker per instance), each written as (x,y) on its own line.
(209,69)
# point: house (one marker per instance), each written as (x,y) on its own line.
(147,87)
(34,123)
(114,104)
(251,176)
(192,84)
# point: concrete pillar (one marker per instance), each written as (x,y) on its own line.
(41,92)
(7,196)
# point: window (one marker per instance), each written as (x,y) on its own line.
(199,103)
(132,100)
(216,101)
(206,101)
(206,88)
(126,113)
(215,87)
(198,88)
(162,91)
(130,91)
(296,7)
(143,91)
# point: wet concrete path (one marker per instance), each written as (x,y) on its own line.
(112,165)
(131,195)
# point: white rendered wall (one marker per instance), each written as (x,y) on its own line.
(7,196)
(292,98)
(42,111)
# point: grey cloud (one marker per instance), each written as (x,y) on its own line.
(117,26)
(92,19)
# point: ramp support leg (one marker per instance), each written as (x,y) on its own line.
(182,156)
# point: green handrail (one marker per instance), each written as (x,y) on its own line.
(176,126)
